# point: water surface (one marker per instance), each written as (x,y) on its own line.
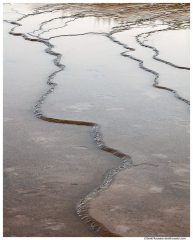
(108,79)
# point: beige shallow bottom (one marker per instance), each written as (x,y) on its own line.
(49,168)
(146,201)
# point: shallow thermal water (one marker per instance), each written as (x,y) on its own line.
(107,151)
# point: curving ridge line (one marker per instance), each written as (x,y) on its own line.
(75,16)
(155,84)
(156,51)
(65,24)
(82,206)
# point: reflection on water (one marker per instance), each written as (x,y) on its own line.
(175,12)
(107,80)
(78,26)
(110,22)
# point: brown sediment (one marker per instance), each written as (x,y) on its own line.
(123,28)
(82,206)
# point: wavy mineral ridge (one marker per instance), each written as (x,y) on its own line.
(107,151)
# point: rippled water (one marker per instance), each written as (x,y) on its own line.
(115,107)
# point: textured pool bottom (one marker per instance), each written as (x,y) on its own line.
(139,203)
(81,207)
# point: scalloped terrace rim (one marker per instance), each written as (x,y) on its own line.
(82,208)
